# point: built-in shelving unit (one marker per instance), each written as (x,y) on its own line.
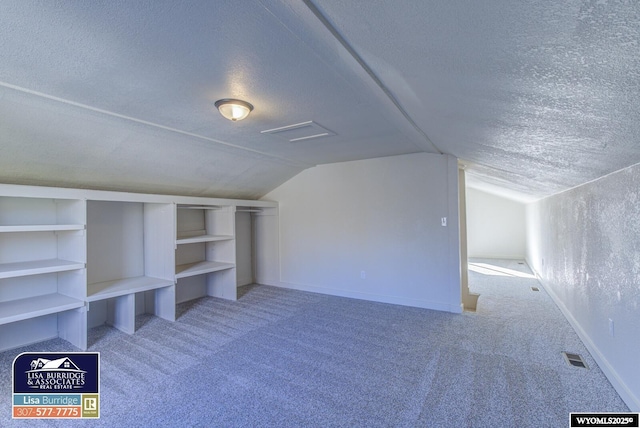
(74,259)
(205,248)
(126,258)
(42,269)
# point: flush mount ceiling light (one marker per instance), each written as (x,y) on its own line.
(233,109)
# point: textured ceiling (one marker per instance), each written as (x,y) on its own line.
(534,97)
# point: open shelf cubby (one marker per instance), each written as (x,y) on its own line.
(129,254)
(205,252)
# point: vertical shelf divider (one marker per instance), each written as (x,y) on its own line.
(159,256)
(72,327)
(222,284)
(121,313)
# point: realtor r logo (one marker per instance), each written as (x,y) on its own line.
(90,403)
(90,406)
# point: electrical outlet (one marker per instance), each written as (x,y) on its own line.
(611,328)
(443,220)
(363,275)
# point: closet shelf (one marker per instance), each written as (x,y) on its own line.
(31,307)
(41,227)
(199,207)
(203,238)
(37,267)
(198,268)
(121,287)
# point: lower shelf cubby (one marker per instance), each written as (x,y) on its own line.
(119,309)
(219,283)
(67,320)
(41,306)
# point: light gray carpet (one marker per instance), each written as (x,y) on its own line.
(283,358)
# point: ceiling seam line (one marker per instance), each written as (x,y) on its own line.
(156,125)
(586,182)
(334,32)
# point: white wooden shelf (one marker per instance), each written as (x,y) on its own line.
(198,268)
(199,207)
(121,287)
(37,267)
(203,238)
(31,307)
(41,227)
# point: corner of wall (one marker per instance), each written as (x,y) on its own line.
(567,236)
(632,401)
(453,225)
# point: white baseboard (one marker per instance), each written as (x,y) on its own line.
(244,281)
(632,401)
(268,281)
(496,256)
(416,303)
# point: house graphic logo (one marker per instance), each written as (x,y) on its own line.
(64,363)
(59,374)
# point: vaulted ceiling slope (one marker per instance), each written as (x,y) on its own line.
(535,97)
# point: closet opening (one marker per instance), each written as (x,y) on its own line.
(254,246)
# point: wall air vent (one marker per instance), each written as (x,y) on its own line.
(300,131)
(574,360)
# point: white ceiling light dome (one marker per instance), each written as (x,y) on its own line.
(233,109)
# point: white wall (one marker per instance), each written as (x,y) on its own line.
(495,226)
(585,246)
(244,251)
(380,217)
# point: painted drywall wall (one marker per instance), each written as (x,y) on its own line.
(372,229)
(495,226)
(585,246)
(244,257)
